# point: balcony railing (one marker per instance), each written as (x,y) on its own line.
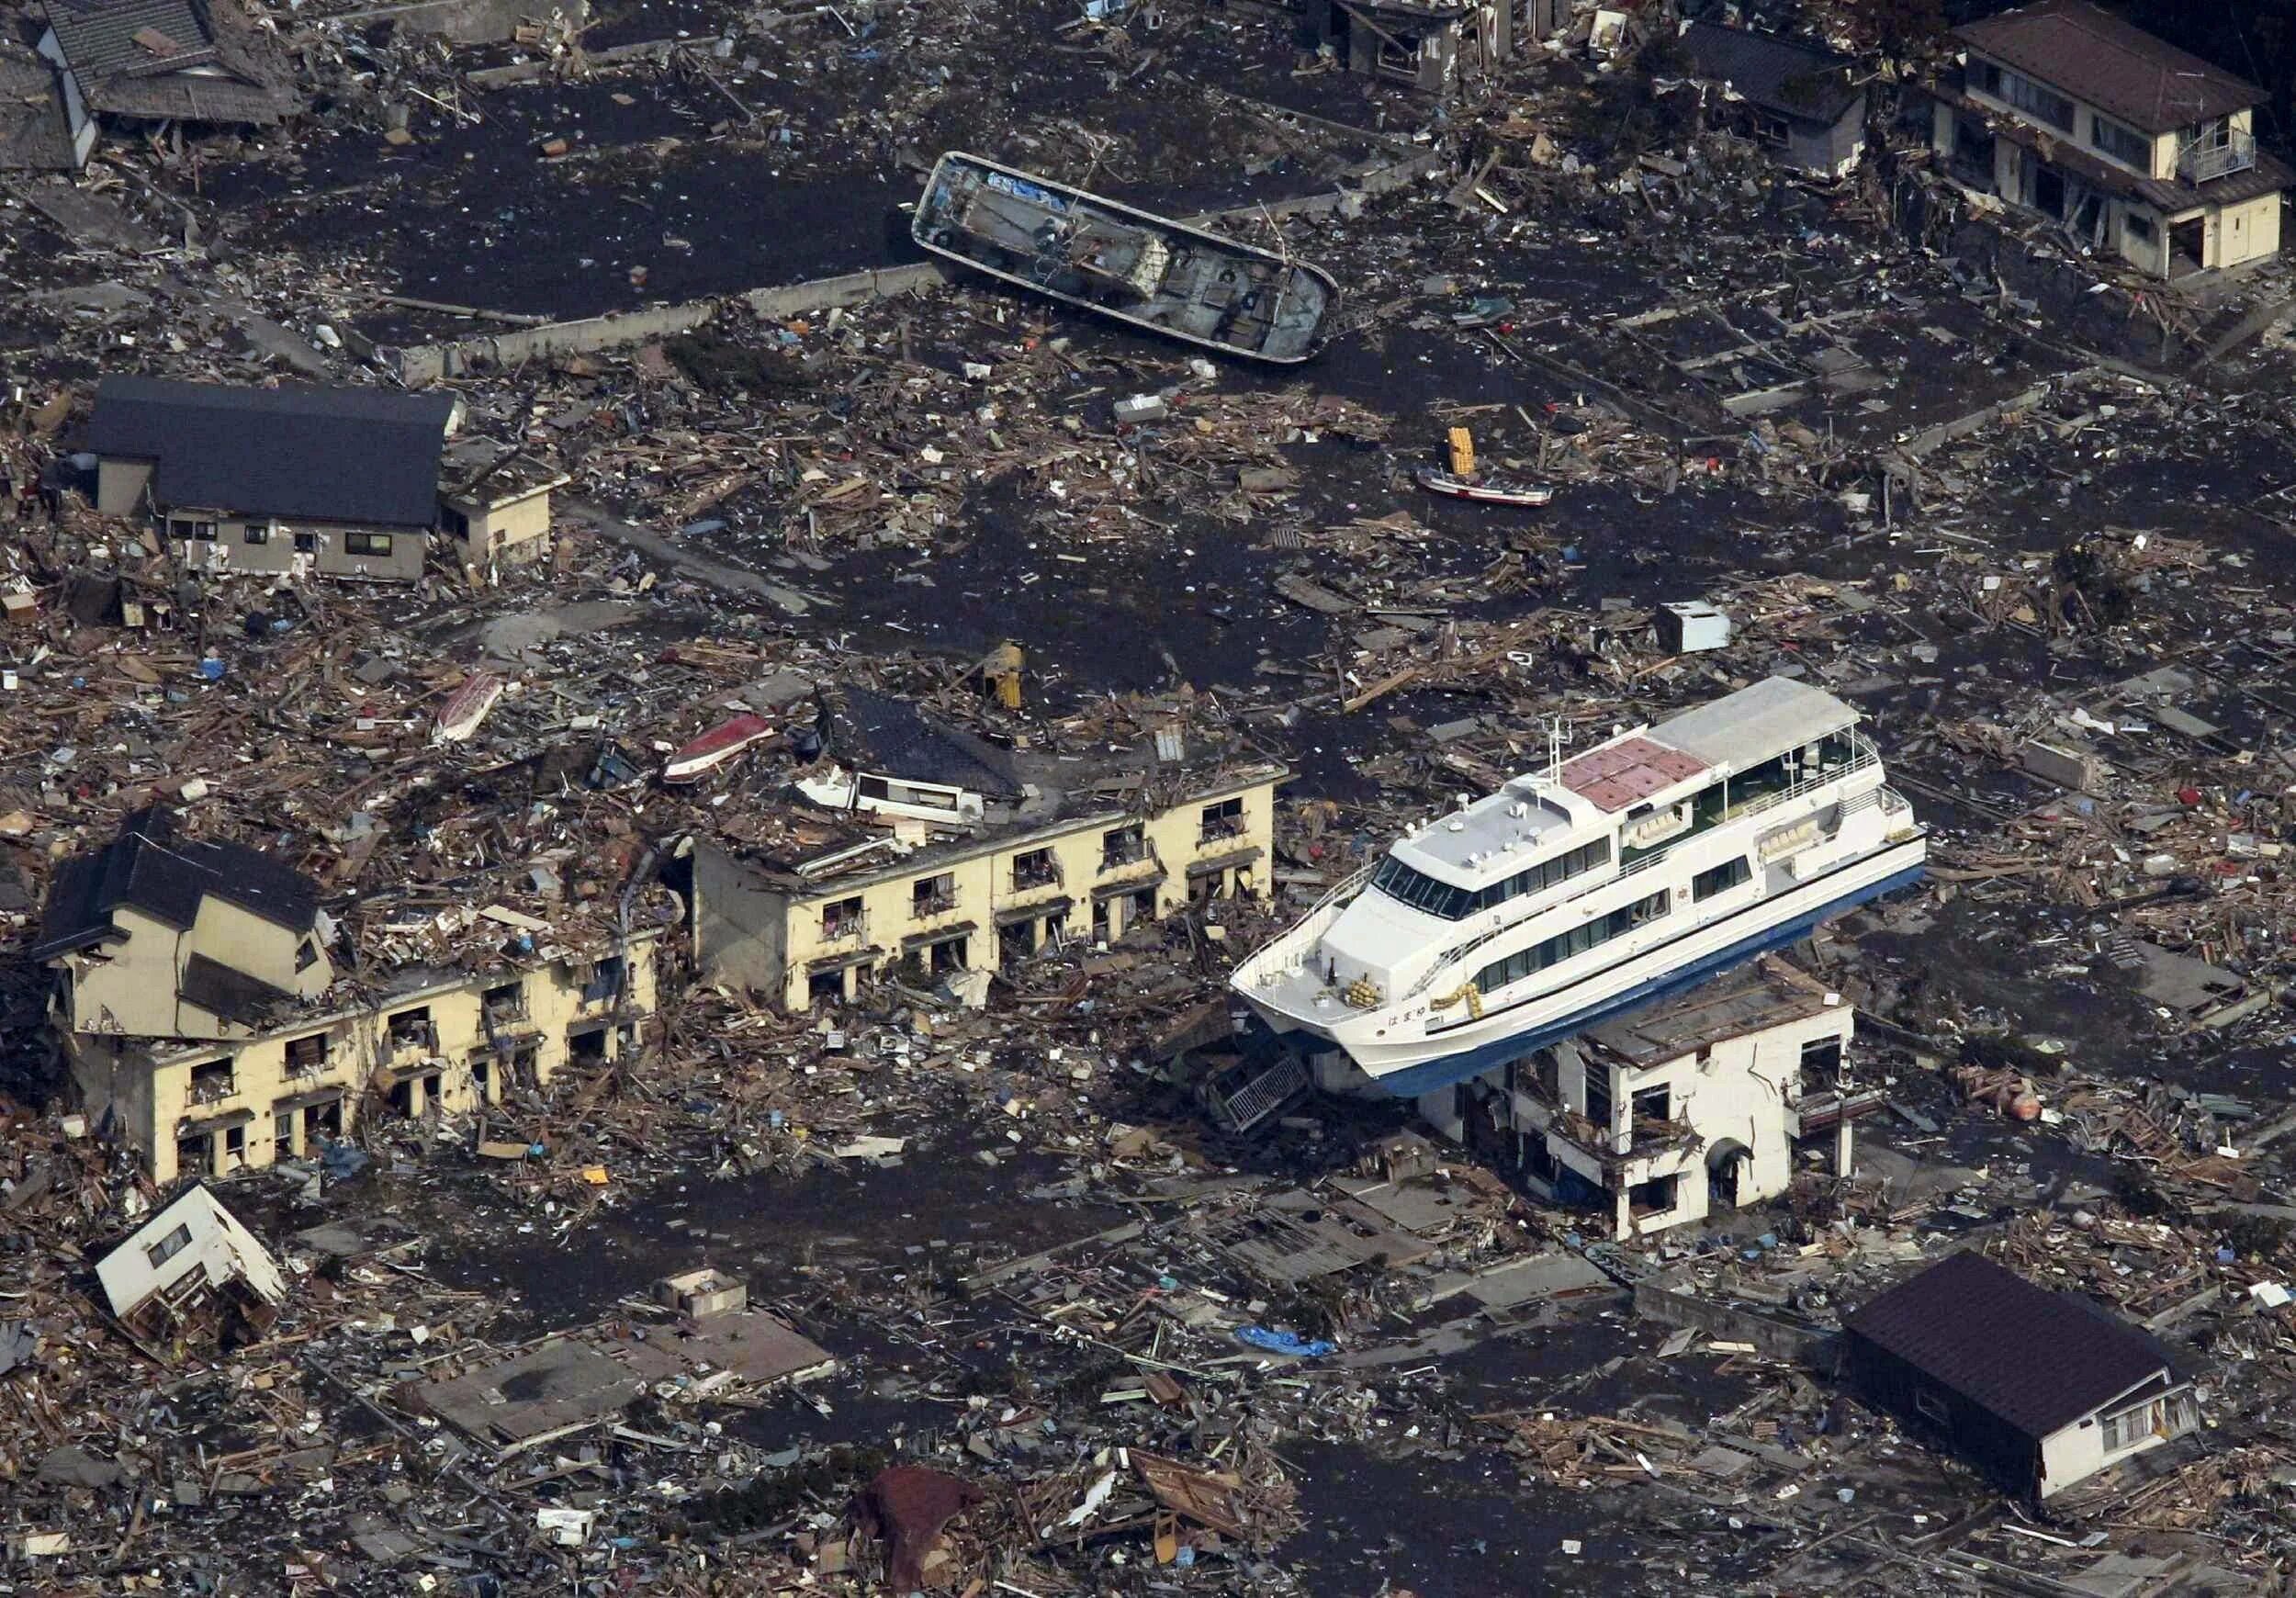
(2206,163)
(1129,851)
(925,907)
(211,1089)
(1217,827)
(843,928)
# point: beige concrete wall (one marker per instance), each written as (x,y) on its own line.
(128,987)
(154,1104)
(274,553)
(119,486)
(132,984)
(986,890)
(513,532)
(2250,231)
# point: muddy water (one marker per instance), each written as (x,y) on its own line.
(780,1234)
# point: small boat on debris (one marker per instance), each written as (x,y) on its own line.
(1098,255)
(714,748)
(465,709)
(1484,490)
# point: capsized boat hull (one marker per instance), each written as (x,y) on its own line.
(1101,255)
(1482,492)
(714,748)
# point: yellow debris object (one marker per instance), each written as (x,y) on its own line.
(1462,452)
(1362,993)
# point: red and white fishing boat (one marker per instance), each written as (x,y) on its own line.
(714,748)
(1484,490)
(467,708)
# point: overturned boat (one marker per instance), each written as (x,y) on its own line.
(1484,490)
(1098,255)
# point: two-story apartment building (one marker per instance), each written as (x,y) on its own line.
(807,929)
(2135,148)
(1662,1116)
(204,1026)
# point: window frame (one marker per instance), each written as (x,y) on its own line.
(367,545)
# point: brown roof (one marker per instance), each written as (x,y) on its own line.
(2039,1360)
(2123,70)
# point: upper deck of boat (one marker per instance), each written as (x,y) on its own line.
(1536,815)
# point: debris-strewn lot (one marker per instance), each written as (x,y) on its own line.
(1015,1317)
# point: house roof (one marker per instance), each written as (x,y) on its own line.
(1784,75)
(2039,1360)
(2122,70)
(149,868)
(228,994)
(886,737)
(167,59)
(325,454)
(33,136)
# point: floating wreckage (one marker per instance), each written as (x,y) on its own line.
(1097,254)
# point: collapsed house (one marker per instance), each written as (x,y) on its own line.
(1801,102)
(1949,1353)
(2132,145)
(1433,48)
(162,66)
(981,857)
(192,1266)
(1668,1114)
(203,1020)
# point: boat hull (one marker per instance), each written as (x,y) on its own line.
(1407,1068)
(931,227)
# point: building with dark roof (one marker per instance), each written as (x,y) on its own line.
(1803,101)
(2134,147)
(2040,1389)
(160,936)
(344,482)
(163,62)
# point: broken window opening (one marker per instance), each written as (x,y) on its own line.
(305,1055)
(168,1247)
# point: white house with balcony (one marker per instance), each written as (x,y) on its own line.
(1676,1112)
(2133,147)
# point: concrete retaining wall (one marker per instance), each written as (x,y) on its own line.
(418,366)
(1774,1339)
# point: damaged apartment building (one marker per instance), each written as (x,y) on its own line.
(939,852)
(301,481)
(206,1025)
(2133,147)
(1676,1111)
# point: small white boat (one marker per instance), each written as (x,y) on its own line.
(1483,490)
(714,748)
(465,709)
(1644,865)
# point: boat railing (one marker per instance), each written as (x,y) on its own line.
(1294,958)
(1863,756)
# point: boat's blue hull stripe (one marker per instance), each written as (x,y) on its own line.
(1431,1075)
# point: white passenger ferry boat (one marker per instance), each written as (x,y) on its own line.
(1639,868)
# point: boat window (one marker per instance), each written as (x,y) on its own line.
(1419,891)
(1545,874)
(1422,892)
(1721,879)
(1564,945)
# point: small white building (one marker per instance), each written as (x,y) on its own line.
(188,1261)
(1665,1115)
